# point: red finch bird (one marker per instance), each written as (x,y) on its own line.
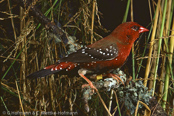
(100,57)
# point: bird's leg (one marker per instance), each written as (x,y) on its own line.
(116,77)
(82,72)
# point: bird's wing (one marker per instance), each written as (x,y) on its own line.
(88,54)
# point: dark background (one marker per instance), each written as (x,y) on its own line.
(114,10)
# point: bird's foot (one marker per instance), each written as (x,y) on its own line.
(82,72)
(116,77)
(91,85)
(93,88)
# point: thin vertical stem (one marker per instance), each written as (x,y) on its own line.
(171,47)
(20,98)
(12,22)
(110,102)
(151,45)
(165,47)
(59,9)
(23,55)
(92,22)
(126,12)
(150,10)
(159,46)
(133,59)
(145,47)
(117,103)
(52,18)
(51,80)
(132,17)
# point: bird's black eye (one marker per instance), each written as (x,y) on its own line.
(135,28)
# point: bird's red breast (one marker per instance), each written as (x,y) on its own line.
(103,55)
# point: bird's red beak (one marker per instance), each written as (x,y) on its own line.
(142,29)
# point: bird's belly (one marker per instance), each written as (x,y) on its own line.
(104,66)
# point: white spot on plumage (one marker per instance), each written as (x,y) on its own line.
(56,68)
(75,65)
(110,47)
(108,54)
(60,68)
(100,49)
(110,51)
(83,51)
(103,53)
(87,64)
(89,54)
(116,59)
(66,69)
(52,69)
(86,53)
(92,57)
(107,49)
(111,54)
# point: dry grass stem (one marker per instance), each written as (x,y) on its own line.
(20,98)
(148,65)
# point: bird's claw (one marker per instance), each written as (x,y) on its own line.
(116,77)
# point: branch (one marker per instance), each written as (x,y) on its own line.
(129,95)
(61,36)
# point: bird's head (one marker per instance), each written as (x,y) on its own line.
(128,32)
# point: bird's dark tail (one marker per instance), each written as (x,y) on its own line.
(41,73)
(52,69)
